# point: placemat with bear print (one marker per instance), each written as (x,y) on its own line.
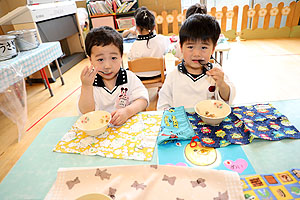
(147,182)
(244,124)
(283,185)
(134,140)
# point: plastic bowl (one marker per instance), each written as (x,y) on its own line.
(94,123)
(212,112)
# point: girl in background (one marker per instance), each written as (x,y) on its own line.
(148,43)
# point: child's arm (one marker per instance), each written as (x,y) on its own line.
(218,75)
(86,101)
(120,116)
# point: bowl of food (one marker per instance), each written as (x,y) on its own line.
(94,123)
(212,112)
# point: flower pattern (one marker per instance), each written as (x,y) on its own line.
(159,19)
(251,13)
(286,10)
(274,11)
(229,14)
(169,18)
(262,12)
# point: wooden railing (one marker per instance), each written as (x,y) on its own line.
(168,24)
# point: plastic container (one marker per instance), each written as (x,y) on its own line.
(8,48)
(26,39)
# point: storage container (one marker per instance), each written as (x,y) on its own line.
(26,39)
(8,48)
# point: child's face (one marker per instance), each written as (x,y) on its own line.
(195,52)
(106,60)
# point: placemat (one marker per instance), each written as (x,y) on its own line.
(147,182)
(283,185)
(244,124)
(136,139)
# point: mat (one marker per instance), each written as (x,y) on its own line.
(283,185)
(136,139)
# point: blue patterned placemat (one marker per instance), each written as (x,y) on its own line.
(244,124)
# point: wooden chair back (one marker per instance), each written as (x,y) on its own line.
(147,64)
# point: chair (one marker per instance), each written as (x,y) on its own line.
(147,64)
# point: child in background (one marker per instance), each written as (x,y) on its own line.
(105,85)
(130,33)
(196,79)
(196,8)
(147,44)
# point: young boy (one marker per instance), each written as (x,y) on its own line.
(105,85)
(196,79)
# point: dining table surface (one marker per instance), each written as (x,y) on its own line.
(35,172)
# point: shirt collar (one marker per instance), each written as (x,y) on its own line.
(121,79)
(146,37)
(182,69)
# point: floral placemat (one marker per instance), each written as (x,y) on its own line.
(134,140)
(244,124)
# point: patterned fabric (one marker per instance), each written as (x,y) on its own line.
(175,126)
(282,185)
(27,63)
(243,125)
(147,182)
(134,140)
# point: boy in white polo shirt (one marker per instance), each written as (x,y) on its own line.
(196,79)
(105,85)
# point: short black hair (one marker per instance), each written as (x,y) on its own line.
(196,8)
(200,27)
(103,36)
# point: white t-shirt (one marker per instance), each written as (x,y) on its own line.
(128,88)
(181,89)
(157,46)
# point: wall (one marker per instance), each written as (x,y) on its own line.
(159,5)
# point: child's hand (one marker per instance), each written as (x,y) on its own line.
(88,75)
(217,74)
(119,117)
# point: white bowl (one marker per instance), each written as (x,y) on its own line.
(94,123)
(212,112)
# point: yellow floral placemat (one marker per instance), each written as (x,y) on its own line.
(133,140)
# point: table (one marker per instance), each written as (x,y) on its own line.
(35,172)
(12,73)
(29,62)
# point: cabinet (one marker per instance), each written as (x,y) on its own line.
(118,14)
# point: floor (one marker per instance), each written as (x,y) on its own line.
(262,70)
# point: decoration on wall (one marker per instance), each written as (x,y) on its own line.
(170,18)
(219,15)
(286,10)
(230,14)
(251,13)
(262,12)
(274,11)
(159,19)
(180,17)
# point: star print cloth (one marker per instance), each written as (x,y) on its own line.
(244,124)
(147,182)
(175,126)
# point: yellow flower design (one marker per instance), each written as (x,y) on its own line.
(180,17)
(251,13)
(274,11)
(219,15)
(262,12)
(286,10)
(159,19)
(229,14)
(170,18)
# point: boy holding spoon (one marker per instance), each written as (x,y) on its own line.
(196,79)
(105,85)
